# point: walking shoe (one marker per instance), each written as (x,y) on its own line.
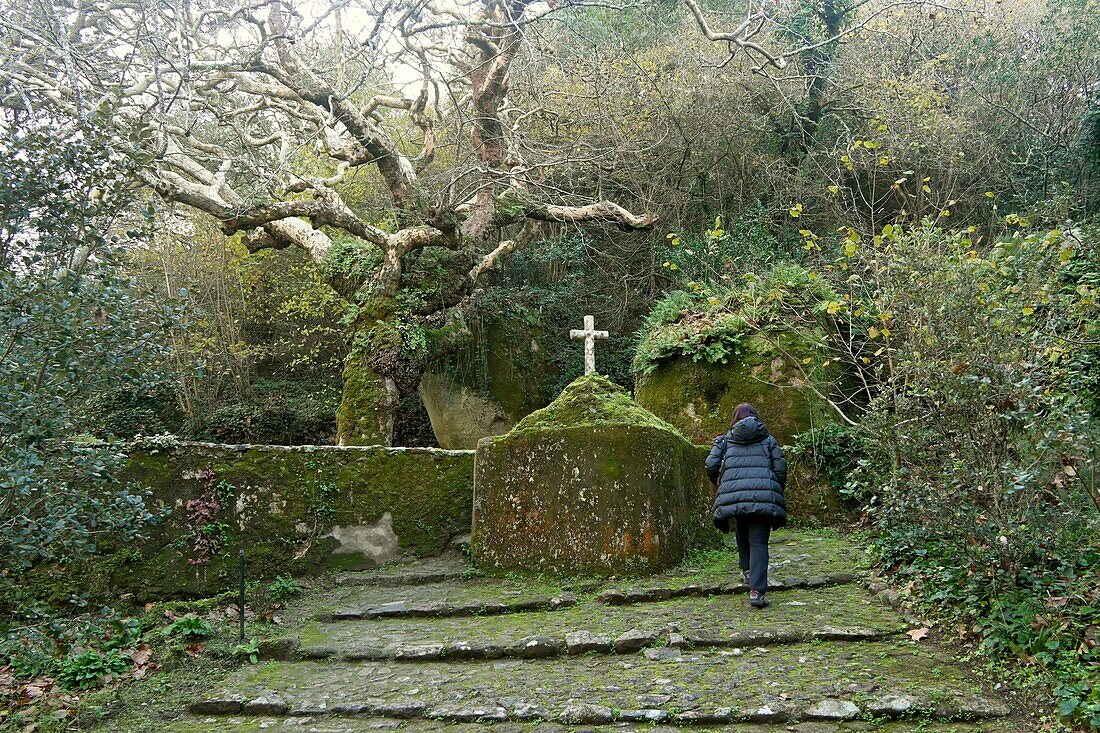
(757,599)
(745,577)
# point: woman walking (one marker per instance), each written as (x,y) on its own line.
(748,467)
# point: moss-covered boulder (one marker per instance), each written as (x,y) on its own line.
(762,341)
(487,386)
(591,484)
(698,397)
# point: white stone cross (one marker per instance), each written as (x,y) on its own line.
(589,334)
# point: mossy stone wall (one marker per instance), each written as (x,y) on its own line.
(591,484)
(296,510)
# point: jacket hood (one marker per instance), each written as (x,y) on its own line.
(749,430)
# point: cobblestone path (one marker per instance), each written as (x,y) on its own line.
(430,645)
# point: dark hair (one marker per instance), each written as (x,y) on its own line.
(741,412)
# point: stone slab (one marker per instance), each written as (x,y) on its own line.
(254,724)
(796,556)
(715,621)
(794,682)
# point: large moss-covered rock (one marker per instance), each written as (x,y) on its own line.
(593,483)
(486,387)
(698,397)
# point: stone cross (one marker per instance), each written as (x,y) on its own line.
(589,334)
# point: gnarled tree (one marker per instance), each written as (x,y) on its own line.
(376,135)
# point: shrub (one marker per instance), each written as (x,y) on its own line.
(189,627)
(91,669)
(275,412)
(710,323)
(979,462)
(835,450)
(718,254)
(31,663)
(249,651)
(283,587)
(74,327)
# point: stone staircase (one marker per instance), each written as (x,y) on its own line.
(432,646)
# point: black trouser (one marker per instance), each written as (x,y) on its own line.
(752,550)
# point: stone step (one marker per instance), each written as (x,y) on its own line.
(701,687)
(651,593)
(794,554)
(845,612)
(632,641)
(393,580)
(444,609)
(255,724)
(420,571)
(485,597)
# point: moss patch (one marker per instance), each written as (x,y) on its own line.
(592,400)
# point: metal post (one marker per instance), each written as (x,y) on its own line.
(240,600)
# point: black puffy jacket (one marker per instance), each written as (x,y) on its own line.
(750,471)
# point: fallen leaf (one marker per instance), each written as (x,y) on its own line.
(141,655)
(918,634)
